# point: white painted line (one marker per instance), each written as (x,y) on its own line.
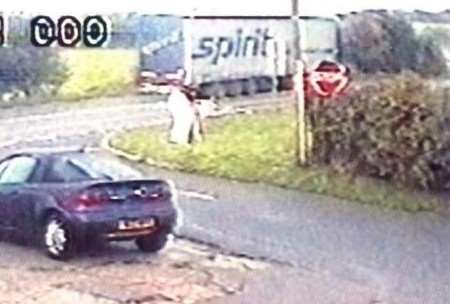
(139,108)
(198,195)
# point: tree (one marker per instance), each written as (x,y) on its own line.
(28,67)
(381,41)
(430,58)
(25,67)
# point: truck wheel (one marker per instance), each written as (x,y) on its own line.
(264,84)
(153,242)
(249,87)
(286,83)
(206,91)
(233,88)
(218,91)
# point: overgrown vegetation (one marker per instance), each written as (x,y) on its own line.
(391,129)
(56,73)
(30,69)
(260,148)
(66,75)
(94,73)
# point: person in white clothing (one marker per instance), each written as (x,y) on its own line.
(183,116)
(186,124)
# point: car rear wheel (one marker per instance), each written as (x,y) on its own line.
(153,242)
(58,240)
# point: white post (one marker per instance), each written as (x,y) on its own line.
(5,28)
(301,119)
(188,47)
(299,89)
(274,60)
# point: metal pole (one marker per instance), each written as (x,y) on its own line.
(188,47)
(275,53)
(4,28)
(299,90)
(301,119)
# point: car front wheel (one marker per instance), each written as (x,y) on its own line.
(153,242)
(58,240)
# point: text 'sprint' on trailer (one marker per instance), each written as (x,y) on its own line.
(231,55)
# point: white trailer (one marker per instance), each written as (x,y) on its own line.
(232,55)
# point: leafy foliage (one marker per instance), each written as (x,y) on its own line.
(25,68)
(391,130)
(386,42)
(100,72)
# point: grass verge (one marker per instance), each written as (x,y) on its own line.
(260,148)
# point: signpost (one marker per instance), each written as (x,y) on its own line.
(326,79)
(300,111)
(300,142)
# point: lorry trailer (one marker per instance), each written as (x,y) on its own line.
(228,55)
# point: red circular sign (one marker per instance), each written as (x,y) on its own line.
(328,78)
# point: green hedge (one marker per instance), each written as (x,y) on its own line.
(391,129)
(99,72)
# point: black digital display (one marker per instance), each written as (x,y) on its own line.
(69,31)
(2,31)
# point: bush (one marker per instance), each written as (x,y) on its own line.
(391,130)
(94,73)
(27,68)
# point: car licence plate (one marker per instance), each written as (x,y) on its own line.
(136,224)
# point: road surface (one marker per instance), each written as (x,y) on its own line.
(399,257)
(315,249)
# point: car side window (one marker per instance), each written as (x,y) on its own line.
(63,171)
(17,170)
(3,165)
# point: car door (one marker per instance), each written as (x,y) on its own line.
(13,186)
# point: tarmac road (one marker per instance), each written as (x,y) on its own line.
(317,249)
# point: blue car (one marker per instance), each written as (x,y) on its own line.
(64,201)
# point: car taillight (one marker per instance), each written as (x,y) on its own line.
(87,200)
